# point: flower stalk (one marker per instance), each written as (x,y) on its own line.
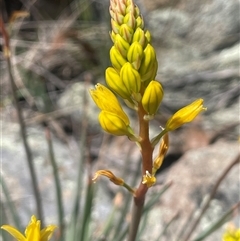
(132,78)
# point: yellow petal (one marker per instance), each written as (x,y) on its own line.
(47,232)
(14,232)
(107,101)
(32,231)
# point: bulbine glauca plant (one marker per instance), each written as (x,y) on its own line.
(132,79)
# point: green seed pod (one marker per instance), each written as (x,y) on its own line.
(135,54)
(152,97)
(115,83)
(116,58)
(130,78)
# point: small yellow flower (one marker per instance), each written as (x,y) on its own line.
(185,115)
(32,231)
(231,234)
(149,179)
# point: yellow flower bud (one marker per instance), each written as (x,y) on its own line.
(126,32)
(148,36)
(139,36)
(152,97)
(185,115)
(135,54)
(116,58)
(107,101)
(122,45)
(148,68)
(130,78)
(116,83)
(140,22)
(114,124)
(115,26)
(130,20)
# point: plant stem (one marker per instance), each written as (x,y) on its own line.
(57,184)
(136,217)
(37,196)
(146,151)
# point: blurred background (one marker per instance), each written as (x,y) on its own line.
(60,49)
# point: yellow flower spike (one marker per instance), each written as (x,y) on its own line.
(135,54)
(148,68)
(152,97)
(163,148)
(114,124)
(107,101)
(149,179)
(131,78)
(116,180)
(32,231)
(185,115)
(116,58)
(126,32)
(231,234)
(116,84)
(122,45)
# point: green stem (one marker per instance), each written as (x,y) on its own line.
(57,184)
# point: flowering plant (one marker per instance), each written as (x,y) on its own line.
(132,78)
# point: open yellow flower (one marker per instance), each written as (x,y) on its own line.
(32,231)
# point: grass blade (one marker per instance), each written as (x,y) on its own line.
(57,184)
